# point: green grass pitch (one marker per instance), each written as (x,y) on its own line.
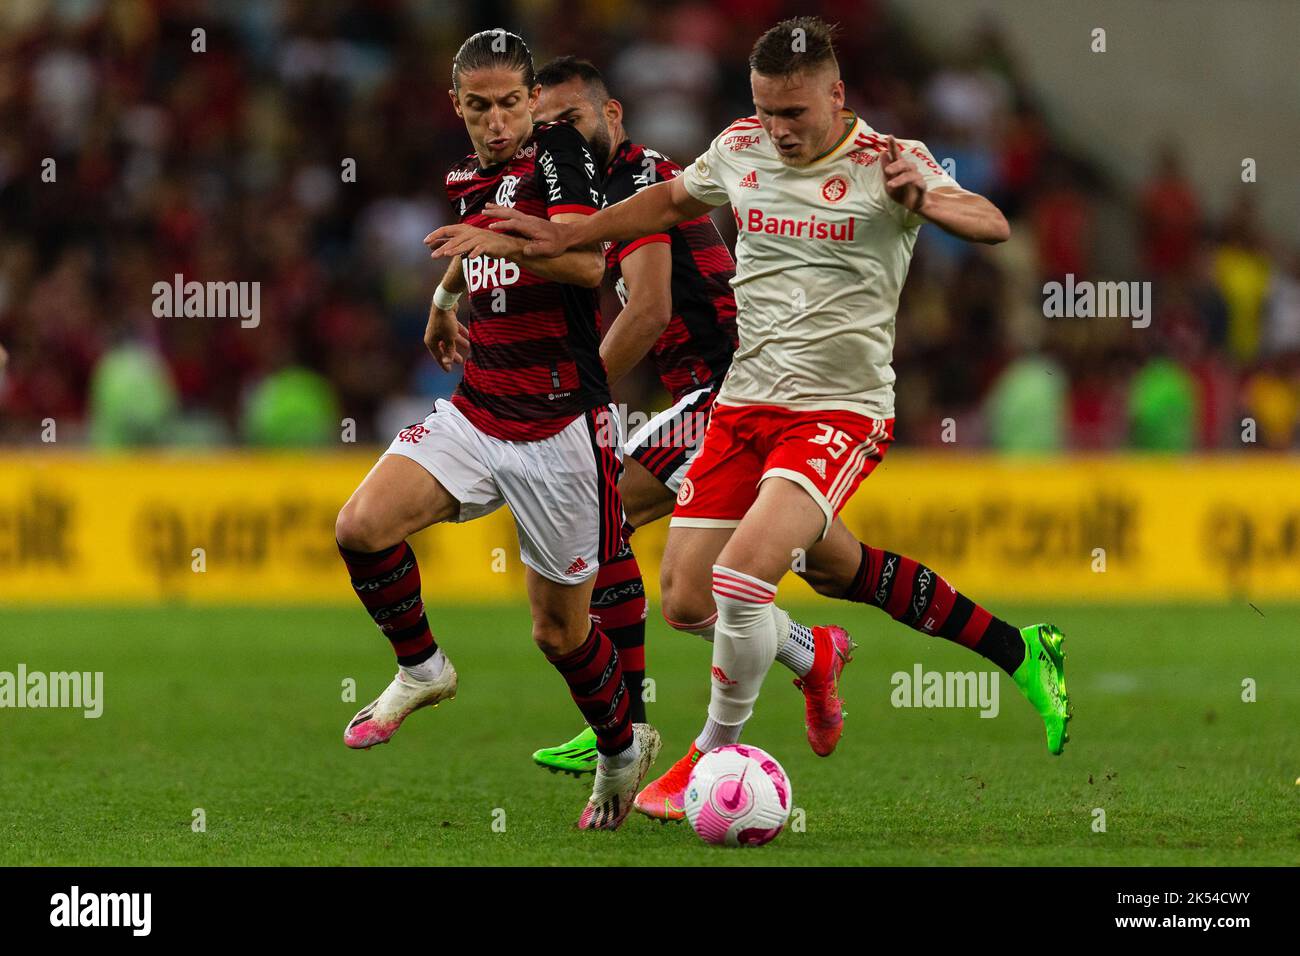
(240,713)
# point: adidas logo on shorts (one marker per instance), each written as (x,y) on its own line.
(577,567)
(818,465)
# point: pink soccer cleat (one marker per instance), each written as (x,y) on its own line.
(378,721)
(823,708)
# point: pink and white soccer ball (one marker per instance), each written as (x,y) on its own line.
(738,795)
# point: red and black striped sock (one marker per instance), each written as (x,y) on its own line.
(618,607)
(388,584)
(595,680)
(910,592)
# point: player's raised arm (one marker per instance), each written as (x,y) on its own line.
(648,278)
(957,211)
(650,211)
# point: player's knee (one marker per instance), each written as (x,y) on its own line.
(687,610)
(359,527)
(684,604)
(555,637)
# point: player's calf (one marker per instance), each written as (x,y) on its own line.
(618,607)
(388,584)
(595,680)
(397,498)
(913,594)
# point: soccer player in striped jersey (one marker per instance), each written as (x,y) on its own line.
(825,206)
(531,426)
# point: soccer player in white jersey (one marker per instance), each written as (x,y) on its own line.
(827,210)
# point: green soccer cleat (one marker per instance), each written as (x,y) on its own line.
(1041,678)
(576,757)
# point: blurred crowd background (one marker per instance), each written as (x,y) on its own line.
(227,164)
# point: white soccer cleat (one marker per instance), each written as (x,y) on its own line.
(612,796)
(378,721)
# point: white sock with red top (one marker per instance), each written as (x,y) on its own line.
(744,644)
(795,647)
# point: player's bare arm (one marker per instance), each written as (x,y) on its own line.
(580,265)
(453,280)
(961,213)
(651,210)
(648,275)
(444,336)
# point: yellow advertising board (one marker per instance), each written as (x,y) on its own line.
(258,528)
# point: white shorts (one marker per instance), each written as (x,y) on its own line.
(562,490)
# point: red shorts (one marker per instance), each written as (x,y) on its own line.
(827,453)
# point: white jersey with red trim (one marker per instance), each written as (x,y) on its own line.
(821,256)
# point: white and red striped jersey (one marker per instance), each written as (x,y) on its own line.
(821,256)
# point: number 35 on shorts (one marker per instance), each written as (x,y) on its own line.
(835,440)
(830,455)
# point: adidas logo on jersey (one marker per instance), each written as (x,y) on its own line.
(577,567)
(750,180)
(818,465)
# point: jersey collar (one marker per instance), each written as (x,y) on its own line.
(852,125)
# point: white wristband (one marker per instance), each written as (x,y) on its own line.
(442,299)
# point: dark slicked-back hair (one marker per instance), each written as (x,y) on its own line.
(565,68)
(794,45)
(494,48)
